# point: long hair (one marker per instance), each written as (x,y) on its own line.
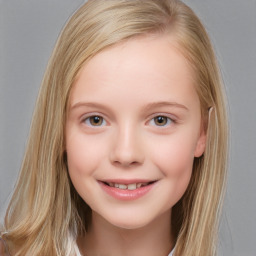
(46,214)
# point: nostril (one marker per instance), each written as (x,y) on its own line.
(126,163)
(126,154)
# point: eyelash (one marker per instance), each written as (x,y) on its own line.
(87,121)
(168,121)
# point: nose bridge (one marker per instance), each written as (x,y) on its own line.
(127,149)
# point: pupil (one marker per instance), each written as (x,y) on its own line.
(96,120)
(160,120)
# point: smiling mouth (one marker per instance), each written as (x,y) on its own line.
(131,186)
(126,190)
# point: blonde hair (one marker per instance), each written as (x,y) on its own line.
(46,214)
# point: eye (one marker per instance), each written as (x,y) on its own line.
(95,121)
(160,121)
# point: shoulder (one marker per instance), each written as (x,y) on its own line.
(3,248)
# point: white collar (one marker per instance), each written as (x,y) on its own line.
(171,253)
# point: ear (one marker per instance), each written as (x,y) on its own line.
(201,143)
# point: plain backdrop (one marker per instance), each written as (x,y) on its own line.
(28,31)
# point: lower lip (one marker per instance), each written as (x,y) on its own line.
(126,194)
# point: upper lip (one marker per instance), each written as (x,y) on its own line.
(127,181)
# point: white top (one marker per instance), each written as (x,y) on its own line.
(171,253)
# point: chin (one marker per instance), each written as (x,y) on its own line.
(128,221)
(129,226)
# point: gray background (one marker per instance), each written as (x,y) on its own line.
(28,31)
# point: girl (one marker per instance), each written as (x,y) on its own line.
(128,145)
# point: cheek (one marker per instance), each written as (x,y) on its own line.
(82,159)
(174,158)
(83,156)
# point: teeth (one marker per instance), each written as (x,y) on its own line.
(132,186)
(122,186)
(139,185)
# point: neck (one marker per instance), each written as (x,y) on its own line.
(103,238)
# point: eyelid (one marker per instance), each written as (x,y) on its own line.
(91,114)
(170,117)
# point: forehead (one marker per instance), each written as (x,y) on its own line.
(139,66)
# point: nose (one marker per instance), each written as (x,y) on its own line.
(127,148)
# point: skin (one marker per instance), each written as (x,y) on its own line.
(127,86)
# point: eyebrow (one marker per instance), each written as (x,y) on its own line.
(87,104)
(147,107)
(164,104)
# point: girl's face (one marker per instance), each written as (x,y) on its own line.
(133,129)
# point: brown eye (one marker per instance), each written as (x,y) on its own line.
(95,121)
(161,121)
